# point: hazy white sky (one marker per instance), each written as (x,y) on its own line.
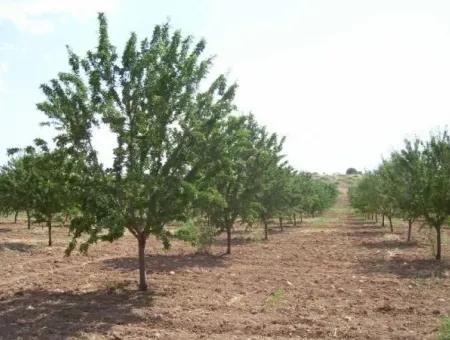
(344,81)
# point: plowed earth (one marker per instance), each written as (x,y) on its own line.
(332,277)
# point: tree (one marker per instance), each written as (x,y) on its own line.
(436,184)
(229,177)
(387,189)
(351,171)
(48,182)
(408,179)
(15,183)
(150,99)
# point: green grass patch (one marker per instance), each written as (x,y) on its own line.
(444,329)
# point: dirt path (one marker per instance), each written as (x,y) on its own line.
(333,277)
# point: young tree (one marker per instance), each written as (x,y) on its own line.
(229,178)
(15,183)
(150,99)
(407,175)
(436,184)
(49,176)
(387,188)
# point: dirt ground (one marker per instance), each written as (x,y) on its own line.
(333,277)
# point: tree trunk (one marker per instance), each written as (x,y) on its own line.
(142,275)
(49,227)
(438,242)
(376,218)
(409,230)
(28,220)
(390,223)
(228,239)
(281,223)
(301,218)
(266,232)
(382,220)
(15,216)
(295,221)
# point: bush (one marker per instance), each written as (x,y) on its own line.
(199,235)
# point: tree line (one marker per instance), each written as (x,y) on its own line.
(181,150)
(413,184)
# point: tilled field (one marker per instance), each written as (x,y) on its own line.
(332,277)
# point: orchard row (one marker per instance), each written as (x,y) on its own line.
(413,184)
(182,151)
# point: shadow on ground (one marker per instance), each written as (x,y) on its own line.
(406,268)
(49,315)
(389,244)
(167,263)
(17,246)
(365,233)
(5,230)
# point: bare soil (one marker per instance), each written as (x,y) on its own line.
(332,277)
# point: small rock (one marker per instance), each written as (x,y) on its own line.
(341,290)
(172,272)
(289,283)
(30,307)
(436,312)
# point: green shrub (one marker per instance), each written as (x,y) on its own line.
(444,330)
(198,234)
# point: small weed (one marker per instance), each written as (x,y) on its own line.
(274,299)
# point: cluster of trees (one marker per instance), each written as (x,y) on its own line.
(180,150)
(413,184)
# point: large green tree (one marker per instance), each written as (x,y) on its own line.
(154,102)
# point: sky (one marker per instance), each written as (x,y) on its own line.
(345,81)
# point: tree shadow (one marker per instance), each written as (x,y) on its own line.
(5,230)
(364,233)
(369,227)
(49,315)
(389,244)
(17,246)
(235,241)
(407,268)
(167,263)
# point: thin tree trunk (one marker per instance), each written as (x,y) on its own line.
(301,218)
(390,223)
(49,227)
(266,231)
(295,221)
(409,230)
(28,220)
(281,223)
(376,218)
(142,275)
(15,216)
(228,239)
(382,220)
(438,242)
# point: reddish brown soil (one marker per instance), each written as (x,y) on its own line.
(337,279)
